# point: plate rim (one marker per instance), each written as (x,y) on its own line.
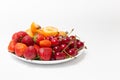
(48,62)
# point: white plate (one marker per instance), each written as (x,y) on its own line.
(48,62)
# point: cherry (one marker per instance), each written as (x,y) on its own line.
(73,44)
(57,48)
(60,55)
(49,37)
(78,40)
(54,41)
(80,44)
(73,52)
(66,40)
(62,46)
(72,37)
(52,57)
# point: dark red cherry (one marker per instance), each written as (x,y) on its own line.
(80,44)
(60,55)
(54,41)
(73,52)
(57,48)
(66,40)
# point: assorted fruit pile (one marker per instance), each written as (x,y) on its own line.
(44,43)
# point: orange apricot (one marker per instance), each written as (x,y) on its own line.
(34,27)
(45,43)
(49,31)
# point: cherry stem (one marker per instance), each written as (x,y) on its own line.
(68,54)
(66,46)
(85,47)
(65,51)
(77,37)
(71,31)
(75,46)
(82,48)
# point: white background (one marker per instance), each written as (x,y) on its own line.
(97,22)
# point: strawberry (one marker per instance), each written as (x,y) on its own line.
(18,36)
(36,48)
(45,53)
(30,53)
(37,38)
(27,40)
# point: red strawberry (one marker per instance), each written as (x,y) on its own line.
(45,53)
(37,38)
(18,36)
(27,40)
(11,46)
(30,53)
(37,48)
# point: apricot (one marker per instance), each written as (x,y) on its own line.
(45,43)
(49,31)
(62,33)
(34,27)
(29,32)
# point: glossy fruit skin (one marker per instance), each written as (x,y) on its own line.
(73,52)
(54,41)
(15,37)
(50,37)
(57,49)
(45,53)
(34,27)
(20,49)
(73,44)
(65,40)
(60,55)
(38,37)
(29,32)
(30,53)
(18,36)
(80,44)
(62,33)
(36,48)
(63,46)
(45,43)
(50,31)
(11,46)
(72,37)
(27,40)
